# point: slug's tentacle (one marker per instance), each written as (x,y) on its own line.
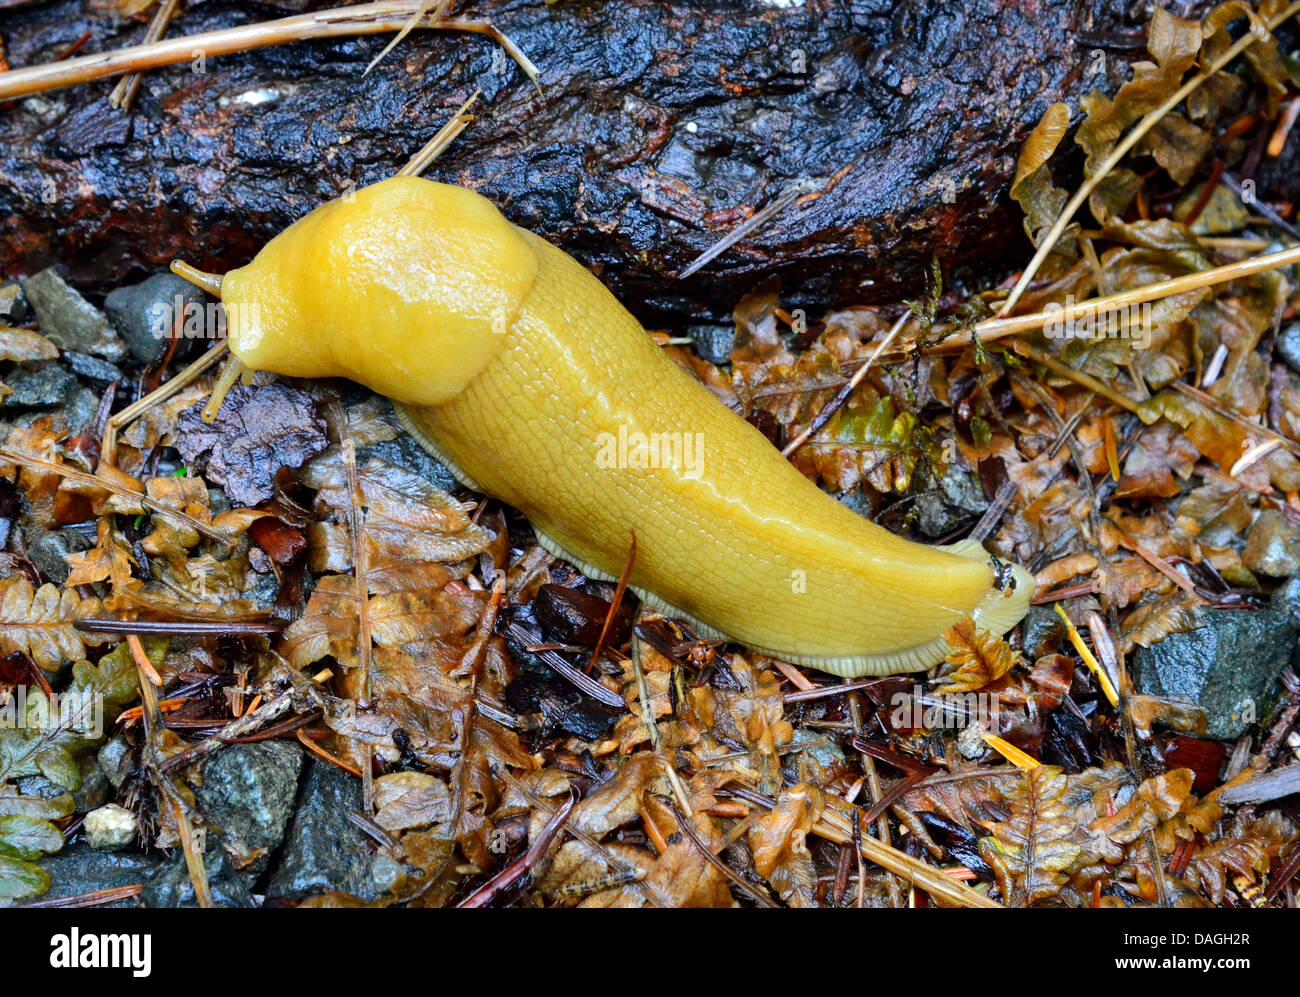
(231,373)
(209,282)
(514,366)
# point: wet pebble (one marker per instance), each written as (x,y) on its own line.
(144,315)
(1273,546)
(1287,346)
(42,384)
(109,828)
(90,368)
(248,793)
(80,408)
(1227,666)
(69,320)
(49,549)
(713,343)
(956,502)
(1043,631)
(79,869)
(116,761)
(13,303)
(170,886)
(323,850)
(405,453)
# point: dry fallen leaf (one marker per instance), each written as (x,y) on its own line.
(979,658)
(39,623)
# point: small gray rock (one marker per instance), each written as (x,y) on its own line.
(116,761)
(169,465)
(48,550)
(405,453)
(90,368)
(388,873)
(956,501)
(858,502)
(1227,665)
(95,788)
(144,314)
(266,587)
(69,320)
(713,343)
(324,851)
(80,408)
(79,869)
(218,502)
(13,303)
(1288,345)
(248,792)
(1273,546)
(41,384)
(1043,632)
(170,886)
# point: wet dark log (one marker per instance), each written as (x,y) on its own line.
(664,124)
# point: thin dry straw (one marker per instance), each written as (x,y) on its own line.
(363,19)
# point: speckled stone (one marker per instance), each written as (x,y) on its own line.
(1228,666)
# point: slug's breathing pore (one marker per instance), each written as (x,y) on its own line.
(513,365)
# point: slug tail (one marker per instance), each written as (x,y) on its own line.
(999,610)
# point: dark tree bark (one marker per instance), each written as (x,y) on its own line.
(663,125)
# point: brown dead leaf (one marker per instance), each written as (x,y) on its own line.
(978,657)
(778,840)
(109,560)
(38,623)
(408,524)
(23,344)
(257,432)
(1030,850)
(404,800)
(329,626)
(1158,799)
(1160,453)
(752,716)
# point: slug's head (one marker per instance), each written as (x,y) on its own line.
(407,286)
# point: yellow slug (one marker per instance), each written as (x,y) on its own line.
(515,366)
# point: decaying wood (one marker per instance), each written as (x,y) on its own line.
(663,126)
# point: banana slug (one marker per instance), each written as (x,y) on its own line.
(513,365)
